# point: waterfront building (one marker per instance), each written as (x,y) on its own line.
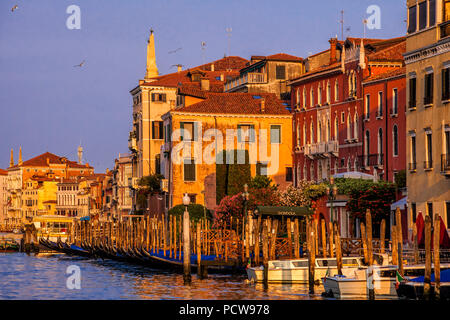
(427,61)
(268,74)
(156,94)
(384,124)
(121,182)
(3,196)
(327,102)
(244,113)
(68,200)
(44,166)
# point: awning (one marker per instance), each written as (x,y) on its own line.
(85,218)
(282,211)
(354,175)
(399,204)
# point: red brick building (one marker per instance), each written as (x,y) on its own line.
(384,124)
(327,102)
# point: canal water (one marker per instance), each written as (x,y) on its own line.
(34,277)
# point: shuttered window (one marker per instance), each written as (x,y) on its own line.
(281,72)
(157,130)
(189,170)
(275,134)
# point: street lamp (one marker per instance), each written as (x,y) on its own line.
(245,195)
(332,193)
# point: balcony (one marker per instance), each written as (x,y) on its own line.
(379,114)
(445,29)
(445,165)
(132,141)
(412,105)
(394,112)
(412,166)
(428,165)
(247,78)
(371,160)
(322,149)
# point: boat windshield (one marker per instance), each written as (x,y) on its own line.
(327,263)
(350,262)
(300,264)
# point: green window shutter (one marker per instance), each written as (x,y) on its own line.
(182,130)
(275,134)
(194,134)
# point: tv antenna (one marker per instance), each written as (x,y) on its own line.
(364,23)
(203,45)
(342,25)
(229,30)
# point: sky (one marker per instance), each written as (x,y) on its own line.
(47,104)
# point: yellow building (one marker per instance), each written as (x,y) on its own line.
(427,61)
(205,123)
(45,166)
(39,197)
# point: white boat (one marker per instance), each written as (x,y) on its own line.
(296,270)
(353,283)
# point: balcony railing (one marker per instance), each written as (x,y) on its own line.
(379,113)
(445,164)
(427,165)
(255,77)
(371,160)
(321,149)
(412,166)
(412,104)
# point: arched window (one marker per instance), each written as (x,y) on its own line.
(328,130)
(304,133)
(336,128)
(380,145)
(349,165)
(366,148)
(311,102)
(355,126)
(319,94)
(298,134)
(304,97)
(319,132)
(312,132)
(395,138)
(336,91)
(328,92)
(297,102)
(349,127)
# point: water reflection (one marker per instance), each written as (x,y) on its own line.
(44,277)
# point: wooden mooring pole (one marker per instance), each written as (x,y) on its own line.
(312,254)
(324,238)
(370,255)
(265,255)
(437,265)
(337,240)
(382,235)
(186,248)
(427,278)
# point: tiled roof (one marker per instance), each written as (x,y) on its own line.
(319,70)
(192,91)
(391,53)
(3,172)
(387,75)
(237,103)
(228,66)
(279,57)
(41,161)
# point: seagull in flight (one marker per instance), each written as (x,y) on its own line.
(80,65)
(14,8)
(173,51)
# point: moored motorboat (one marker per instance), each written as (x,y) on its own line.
(355,284)
(414,288)
(296,270)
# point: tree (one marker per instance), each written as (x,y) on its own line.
(147,185)
(261,182)
(230,174)
(196,212)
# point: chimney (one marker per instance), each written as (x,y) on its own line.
(343,58)
(179,68)
(204,84)
(212,66)
(48,161)
(362,55)
(263,104)
(333,43)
